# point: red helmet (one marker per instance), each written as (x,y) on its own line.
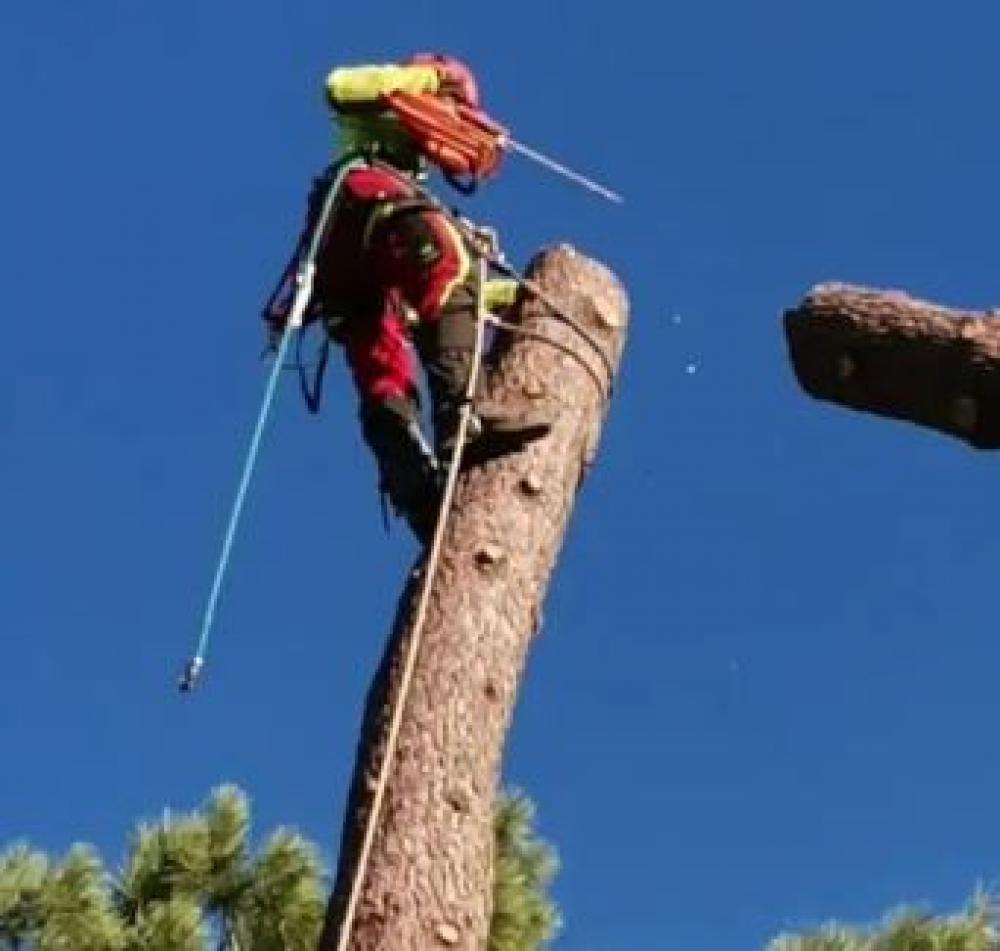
(457,80)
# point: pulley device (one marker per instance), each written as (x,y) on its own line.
(466,144)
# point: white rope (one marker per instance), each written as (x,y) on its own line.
(413,649)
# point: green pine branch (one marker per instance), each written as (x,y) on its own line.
(524,916)
(192,883)
(973,929)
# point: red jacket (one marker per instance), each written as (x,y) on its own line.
(346,284)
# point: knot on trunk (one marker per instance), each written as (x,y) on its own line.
(447,934)
(489,556)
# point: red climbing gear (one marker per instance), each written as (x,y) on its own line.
(466,144)
(457,138)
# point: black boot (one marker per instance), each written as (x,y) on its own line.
(408,471)
(447,348)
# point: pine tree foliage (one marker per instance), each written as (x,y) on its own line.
(192,883)
(225,825)
(283,908)
(524,916)
(974,929)
(22,878)
(189,883)
(75,908)
(175,924)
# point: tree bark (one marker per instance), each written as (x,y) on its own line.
(887,353)
(429,878)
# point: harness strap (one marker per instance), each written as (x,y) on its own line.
(312,391)
(497,262)
(385,211)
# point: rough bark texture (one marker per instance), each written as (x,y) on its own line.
(887,353)
(429,879)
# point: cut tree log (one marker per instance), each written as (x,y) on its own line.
(428,881)
(887,353)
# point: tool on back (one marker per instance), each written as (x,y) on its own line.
(466,144)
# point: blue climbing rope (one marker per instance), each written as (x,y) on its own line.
(303,292)
(196,663)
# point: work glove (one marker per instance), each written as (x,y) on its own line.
(500,294)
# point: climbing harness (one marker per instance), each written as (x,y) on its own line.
(304,280)
(419,619)
(312,390)
(467,145)
(498,261)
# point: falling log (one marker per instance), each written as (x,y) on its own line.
(428,881)
(887,353)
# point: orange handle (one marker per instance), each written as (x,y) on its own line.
(458,139)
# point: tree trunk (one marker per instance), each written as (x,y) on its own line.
(429,878)
(885,352)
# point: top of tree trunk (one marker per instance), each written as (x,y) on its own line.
(427,882)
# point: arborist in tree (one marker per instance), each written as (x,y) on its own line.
(396,284)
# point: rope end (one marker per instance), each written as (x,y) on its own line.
(190,675)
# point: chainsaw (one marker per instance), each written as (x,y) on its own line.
(466,144)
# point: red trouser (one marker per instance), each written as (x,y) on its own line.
(392,279)
(417,264)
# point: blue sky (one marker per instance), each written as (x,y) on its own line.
(765,691)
